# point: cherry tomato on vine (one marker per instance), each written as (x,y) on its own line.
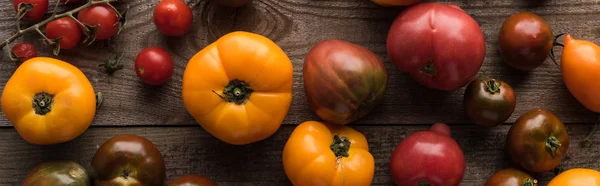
(173,17)
(102,16)
(489,102)
(23,51)
(40,7)
(154,65)
(66,28)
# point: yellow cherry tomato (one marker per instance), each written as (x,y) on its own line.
(577,177)
(319,154)
(239,88)
(48,101)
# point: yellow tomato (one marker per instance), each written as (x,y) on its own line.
(49,101)
(395,2)
(318,154)
(239,88)
(577,177)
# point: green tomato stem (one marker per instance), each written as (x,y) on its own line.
(42,103)
(552,145)
(236,91)
(492,86)
(340,146)
(529,182)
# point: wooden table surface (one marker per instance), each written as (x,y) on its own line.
(296,25)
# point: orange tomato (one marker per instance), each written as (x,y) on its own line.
(239,88)
(319,154)
(580,67)
(395,2)
(48,101)
(577,177)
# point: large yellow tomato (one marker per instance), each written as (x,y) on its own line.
(239,88)
(577,177)
(319,154)
(49,101)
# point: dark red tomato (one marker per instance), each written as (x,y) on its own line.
(154,65)
(40,7)
(102,16)
(23,51)
(70,1)
(66,28)
(489,102)
(232,3)
(440,45)
(511,177)
(173,17)
(537,141)
(57,173)
(192,180)
(428,158)
(128,160)
(343,81)
(525,41)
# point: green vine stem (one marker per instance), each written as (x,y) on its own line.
(554,44)
(588,137)
(89,30)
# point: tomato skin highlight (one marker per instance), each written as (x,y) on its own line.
(57,173)
(102,16)
(576,177)
(525,41)
(537,141)
(489,102)
(154,66)
(40,7)
(24,51)
(580,64)
(173,17)
(66,28)
(415,162)
(343,81)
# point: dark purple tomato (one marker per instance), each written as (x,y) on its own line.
(525,41)
(489,102)
(57,173)
(511,177)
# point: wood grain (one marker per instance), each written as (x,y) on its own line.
(191,150)
(296,25)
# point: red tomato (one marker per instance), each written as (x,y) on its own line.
(173,17)
(24,51)
(40,7)
(428,158)
(440,45)
(66,28)
(154,65)
(102,16)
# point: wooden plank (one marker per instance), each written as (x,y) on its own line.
(296,25)
(191,150)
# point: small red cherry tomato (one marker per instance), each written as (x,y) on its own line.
(154,65)
(173,17)
(102,16)
(40,7)
(23,51)
(66,28)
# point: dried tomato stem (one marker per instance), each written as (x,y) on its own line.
(99,99)
(529,182)
(492,86)
(236,91)
(42,103)
(340,146)
(36,26)
(552,145)
(589,135)
(554,44)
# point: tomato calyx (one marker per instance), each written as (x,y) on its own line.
(340,146)
(493,86)
(423,183)
(429,68)
(23,8)
(554,44)
(529,182)
(42,103)
(552,144)
(236,91)
(112,64)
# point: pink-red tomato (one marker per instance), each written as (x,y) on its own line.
(66,28)
(102,16)
(428,158)
(23,51)
(154,65)
(40,7)
(173,17)
(440,45)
